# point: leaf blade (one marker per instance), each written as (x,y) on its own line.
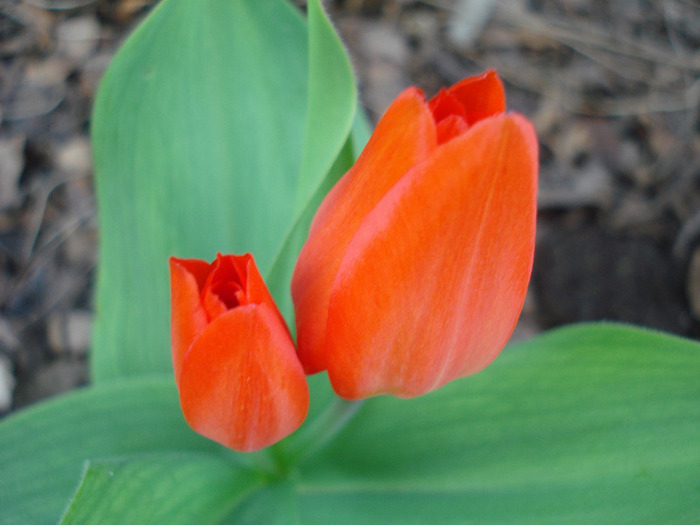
(331,103)
(160,488)
(182,151)
(593,423)
(43,448)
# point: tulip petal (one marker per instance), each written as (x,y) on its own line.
(187,276)
(450,127)
(431,285)
(444,105)
(482,96)
(403,137)
(257,292)
(241,383)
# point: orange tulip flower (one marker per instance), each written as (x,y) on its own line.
(238,375)
(417,262)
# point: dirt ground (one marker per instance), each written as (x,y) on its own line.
(613,89)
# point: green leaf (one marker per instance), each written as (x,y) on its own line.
(588,424)
(43,448)
(331,103)
(200,150)
(276,504)
(197,140)
(163,488)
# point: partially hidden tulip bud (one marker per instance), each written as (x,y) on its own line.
(418,260)
(237,372)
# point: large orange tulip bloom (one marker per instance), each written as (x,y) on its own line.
(239,378)
(417,262)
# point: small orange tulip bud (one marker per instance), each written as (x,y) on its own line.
(418,260)
(236,369)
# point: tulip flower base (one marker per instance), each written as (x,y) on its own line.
(384,273)
(594,423)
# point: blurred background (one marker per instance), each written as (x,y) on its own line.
(612,87)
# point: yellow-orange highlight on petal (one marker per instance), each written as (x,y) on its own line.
(417,262)
(238,375)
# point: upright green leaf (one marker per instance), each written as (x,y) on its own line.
(43,448)
(331,104)
(334,135)
(198,137)
(589,424)
(159,488)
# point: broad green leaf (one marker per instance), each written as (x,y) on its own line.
(200,150)
(588,424)
(43,448)
(159,488)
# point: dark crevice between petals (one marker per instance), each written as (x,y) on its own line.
(224,288)
(450,116)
